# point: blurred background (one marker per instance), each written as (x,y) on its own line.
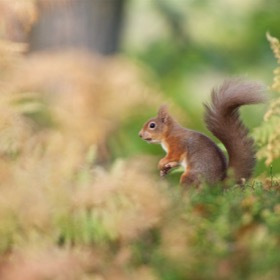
(181,47)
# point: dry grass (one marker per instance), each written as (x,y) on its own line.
(58,207)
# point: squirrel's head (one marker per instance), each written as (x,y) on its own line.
(155,129)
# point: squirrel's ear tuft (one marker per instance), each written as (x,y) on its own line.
(163,113)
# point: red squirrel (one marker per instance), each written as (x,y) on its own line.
(203,161)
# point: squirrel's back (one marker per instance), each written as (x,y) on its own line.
(222,119)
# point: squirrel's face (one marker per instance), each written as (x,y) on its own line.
(154,129)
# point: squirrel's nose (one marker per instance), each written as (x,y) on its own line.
(140,134)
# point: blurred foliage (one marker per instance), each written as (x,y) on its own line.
(188,44)
(17,18)
(79,200)
(268,135)
(204,36)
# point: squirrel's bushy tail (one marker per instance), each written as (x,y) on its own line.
(222,119)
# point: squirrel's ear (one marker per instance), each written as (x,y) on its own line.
(163,113)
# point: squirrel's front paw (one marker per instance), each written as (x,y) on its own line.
(165,169)
(162,173)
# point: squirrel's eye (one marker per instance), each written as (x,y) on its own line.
(152,125)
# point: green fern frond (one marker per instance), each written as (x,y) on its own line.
(267,136)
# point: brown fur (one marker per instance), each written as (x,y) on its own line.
(202,159)
(222,119)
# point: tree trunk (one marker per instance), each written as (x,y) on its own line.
(88,24)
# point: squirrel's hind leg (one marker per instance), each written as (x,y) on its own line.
(189,179)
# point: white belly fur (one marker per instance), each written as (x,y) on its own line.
(184,164)
(164,147)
